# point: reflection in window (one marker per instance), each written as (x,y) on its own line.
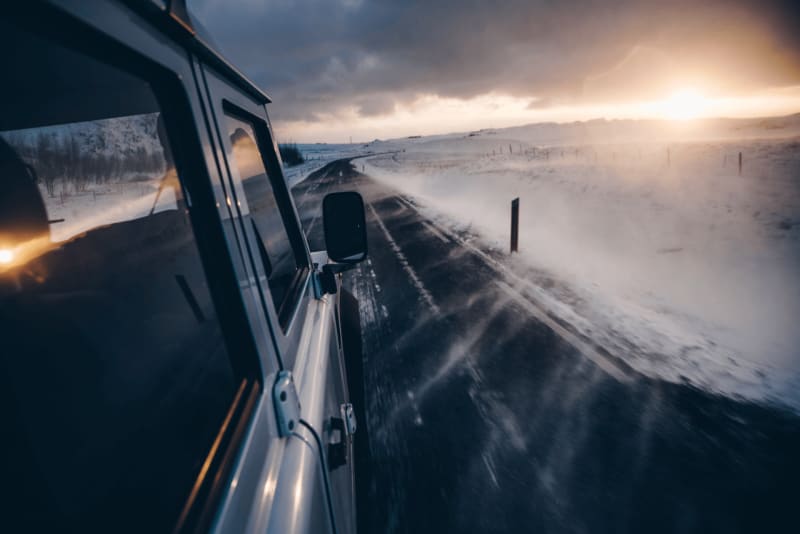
(114,374)
(98,172)
(261,211)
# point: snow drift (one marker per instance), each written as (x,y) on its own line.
(664,254)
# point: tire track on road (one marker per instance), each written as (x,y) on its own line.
(426,296)
(611,365)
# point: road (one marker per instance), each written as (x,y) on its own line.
(487,415)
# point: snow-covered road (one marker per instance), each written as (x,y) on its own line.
(488,412)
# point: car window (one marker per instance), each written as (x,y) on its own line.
(114,376)
(262,213)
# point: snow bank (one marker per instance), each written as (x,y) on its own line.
(317,156)
(320,154)
(663,254)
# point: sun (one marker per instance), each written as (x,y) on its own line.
(6,256)
(684,104)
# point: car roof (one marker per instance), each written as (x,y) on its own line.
(175,19)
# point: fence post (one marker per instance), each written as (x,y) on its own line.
(740,163)
(515,225)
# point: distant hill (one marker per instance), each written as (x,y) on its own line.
(601,131)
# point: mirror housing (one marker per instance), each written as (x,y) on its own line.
(345,227)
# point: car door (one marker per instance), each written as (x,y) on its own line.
(303,323)
(129,374)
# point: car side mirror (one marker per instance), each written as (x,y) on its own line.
(345,227)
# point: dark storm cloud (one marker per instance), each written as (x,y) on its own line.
(316,57)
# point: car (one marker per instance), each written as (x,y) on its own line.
(173,357)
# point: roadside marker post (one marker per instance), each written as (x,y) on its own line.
(515,225)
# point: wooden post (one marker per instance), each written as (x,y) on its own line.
(740,163)
(515,225)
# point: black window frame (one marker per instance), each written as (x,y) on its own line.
(173,91)
(263,139)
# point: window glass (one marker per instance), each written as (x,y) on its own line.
(89,179)
(114,377)
(262,213)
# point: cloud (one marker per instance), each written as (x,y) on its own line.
(320,57)
(373,105)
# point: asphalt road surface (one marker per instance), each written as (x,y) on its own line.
(487,415)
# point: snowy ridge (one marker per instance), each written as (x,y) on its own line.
(121,136)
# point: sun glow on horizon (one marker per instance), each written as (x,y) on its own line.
(6,256)
(685,104)
(434,114)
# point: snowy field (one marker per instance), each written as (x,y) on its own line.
(104,204)
(642,237)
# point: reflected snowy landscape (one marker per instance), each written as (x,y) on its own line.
(97,173)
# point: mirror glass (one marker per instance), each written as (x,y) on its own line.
(345,227)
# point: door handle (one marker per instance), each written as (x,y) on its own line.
(345,426)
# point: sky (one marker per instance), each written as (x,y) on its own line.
(361,69)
